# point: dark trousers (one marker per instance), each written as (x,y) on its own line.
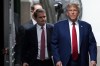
(72,62)
(47,62)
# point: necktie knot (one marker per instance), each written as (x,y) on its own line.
(73,23)
(41,27)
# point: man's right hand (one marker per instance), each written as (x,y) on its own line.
(59,63)
(25,64)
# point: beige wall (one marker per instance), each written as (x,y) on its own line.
(25,11)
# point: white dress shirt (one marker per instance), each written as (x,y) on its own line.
(39,31)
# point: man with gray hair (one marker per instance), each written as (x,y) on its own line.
(73,40)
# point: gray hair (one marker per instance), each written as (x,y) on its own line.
(74,5)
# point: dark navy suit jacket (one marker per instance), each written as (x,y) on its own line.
(61,43)
(28,24)
(19,39)
(30,43)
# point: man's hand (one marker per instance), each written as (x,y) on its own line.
(93,63)
(25,64)
(59,63)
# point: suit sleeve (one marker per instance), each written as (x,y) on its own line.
(92,45)
(54,45)
(24,47)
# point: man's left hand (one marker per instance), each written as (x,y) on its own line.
(93,63)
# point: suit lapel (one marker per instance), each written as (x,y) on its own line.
(68,32)
(80,31)
(48,33)
(34,35)
(48,38)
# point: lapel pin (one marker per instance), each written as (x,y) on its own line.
(81,26)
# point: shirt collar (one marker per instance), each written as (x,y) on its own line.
(70,22)
(38,26)
(34,21)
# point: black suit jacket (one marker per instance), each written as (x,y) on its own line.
(30,43)
(28,24)
(20,32)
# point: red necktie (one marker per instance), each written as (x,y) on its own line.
(74,43)
(42,51)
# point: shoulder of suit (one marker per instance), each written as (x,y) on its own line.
(28,25)
(84,22)
(61,22)
(50,24)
